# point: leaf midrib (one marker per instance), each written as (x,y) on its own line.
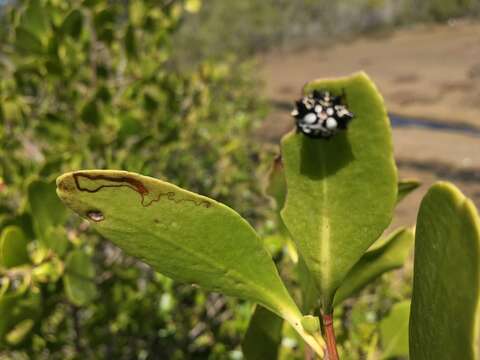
(324,225)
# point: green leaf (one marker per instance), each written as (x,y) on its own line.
(73,24)
(446,283)
(49,271)
(19,332)
(310,295)
(342,191)
(27,43)
(193,6)
(390,255)
(276,186)
(185,236)
(47,210)
(264,335)
(78,278)
(394,331)
(276,189)
(130,42)
(17,305)
(57,240)
(91,113)
(405,187)
(35,18)
(14,247)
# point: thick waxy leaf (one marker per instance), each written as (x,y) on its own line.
(188,237)
(47,210)
(377,261)
(405,187)
(13,247)
(394,331)
(78,278)
(264,335)
(341,191)
(446,284)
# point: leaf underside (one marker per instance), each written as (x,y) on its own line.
(186,236)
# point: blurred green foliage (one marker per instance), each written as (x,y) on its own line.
(95,84)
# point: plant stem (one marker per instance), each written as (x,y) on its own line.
(332,353)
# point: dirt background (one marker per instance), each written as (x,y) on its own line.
(424,73)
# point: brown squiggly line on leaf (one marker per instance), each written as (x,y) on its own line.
(136,186)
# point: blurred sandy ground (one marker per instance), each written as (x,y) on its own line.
(425,72)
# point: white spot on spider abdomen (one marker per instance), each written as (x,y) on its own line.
(331,123)
(310,118)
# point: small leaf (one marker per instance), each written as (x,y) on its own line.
(185,236)
(27,43)
(391,255)
(338,186)
(405,187)
(73,24)
(47,210)
(130,42)
(78,278)
(277,186)
(35,18)
(48,271)
(394,331)
(193,6)
(19,332)
(91,113)
(14,247)
(264,335)
(17,305)
(446,283)
(57,240)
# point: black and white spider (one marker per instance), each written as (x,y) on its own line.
(321,115)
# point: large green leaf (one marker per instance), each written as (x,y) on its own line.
(341,191)
(394,331)
(264,335)
(13,247)
(390,255)
(188,237)
(446,285)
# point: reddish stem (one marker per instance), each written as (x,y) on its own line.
(332,353)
